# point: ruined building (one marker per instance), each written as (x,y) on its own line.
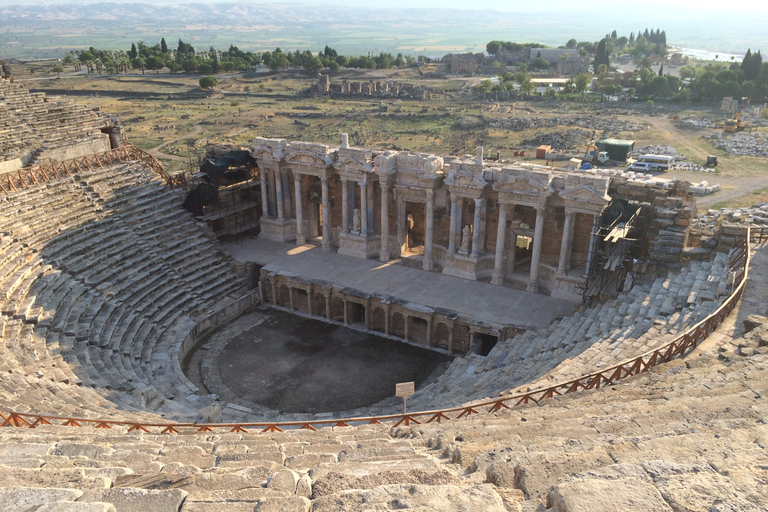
(373,88)
(527,225)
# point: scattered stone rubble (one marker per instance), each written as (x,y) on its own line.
(745,144)
(569,139)
(609,124)
(693,123)
(755,215)
(657,150)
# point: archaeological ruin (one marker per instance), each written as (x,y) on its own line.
(588,325)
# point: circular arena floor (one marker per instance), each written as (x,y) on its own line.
(289,363)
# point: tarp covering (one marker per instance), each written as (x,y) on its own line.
(216,168)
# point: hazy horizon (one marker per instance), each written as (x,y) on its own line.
(430,27)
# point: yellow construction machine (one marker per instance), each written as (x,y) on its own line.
(735,124)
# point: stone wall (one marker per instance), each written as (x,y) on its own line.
(666,216)
(433,328)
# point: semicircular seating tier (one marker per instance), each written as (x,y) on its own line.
(104,281)
(35,128)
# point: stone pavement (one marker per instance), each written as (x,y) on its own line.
(482,301)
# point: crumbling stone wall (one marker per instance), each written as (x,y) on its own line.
(665,218)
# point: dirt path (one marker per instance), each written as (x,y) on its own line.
(687,142)
(155,152)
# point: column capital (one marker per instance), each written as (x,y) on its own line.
(324,180)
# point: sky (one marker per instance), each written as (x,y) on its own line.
(619,8)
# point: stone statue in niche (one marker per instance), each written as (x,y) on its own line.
(356,220)
(465,233)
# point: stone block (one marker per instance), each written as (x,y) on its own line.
(76,506)
(601,495)
(128,499)
(435,498)
(286,480)
(284,504)
(31,498)
(754,321)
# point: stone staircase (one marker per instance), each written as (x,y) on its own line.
(685,436)
(103,276)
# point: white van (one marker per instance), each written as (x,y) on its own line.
(656,162)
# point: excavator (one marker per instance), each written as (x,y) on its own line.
(593,155)
(735,124)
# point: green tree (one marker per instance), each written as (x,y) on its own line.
(582,82)
(133,53)
(163,45)
(209,82)
(493,47)
(155,62)
(313,65)
(571,44)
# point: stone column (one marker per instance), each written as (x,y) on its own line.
(401,220)
(476,228)
(450,339)
(300,239)
(344,206)
(279,194)
(452,227)
(429,263)
(406,326)
(310,307)
(287,194)
(264,195)
(363,209)
(384,252)
(429,331)
(346,314)
(564,264)
(533,279)
(326,242)
(371,214)
(501,239)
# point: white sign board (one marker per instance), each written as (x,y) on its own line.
(404,389)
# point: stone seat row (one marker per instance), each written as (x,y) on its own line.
(661,433)
(110,288)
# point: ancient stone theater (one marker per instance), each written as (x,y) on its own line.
(585,343)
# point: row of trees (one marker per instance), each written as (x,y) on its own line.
(185,58)
(748,79)
(494,47)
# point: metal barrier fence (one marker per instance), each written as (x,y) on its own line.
(680,346)
(38,174)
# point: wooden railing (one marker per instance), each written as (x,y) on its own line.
(38,174)
(680,346)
